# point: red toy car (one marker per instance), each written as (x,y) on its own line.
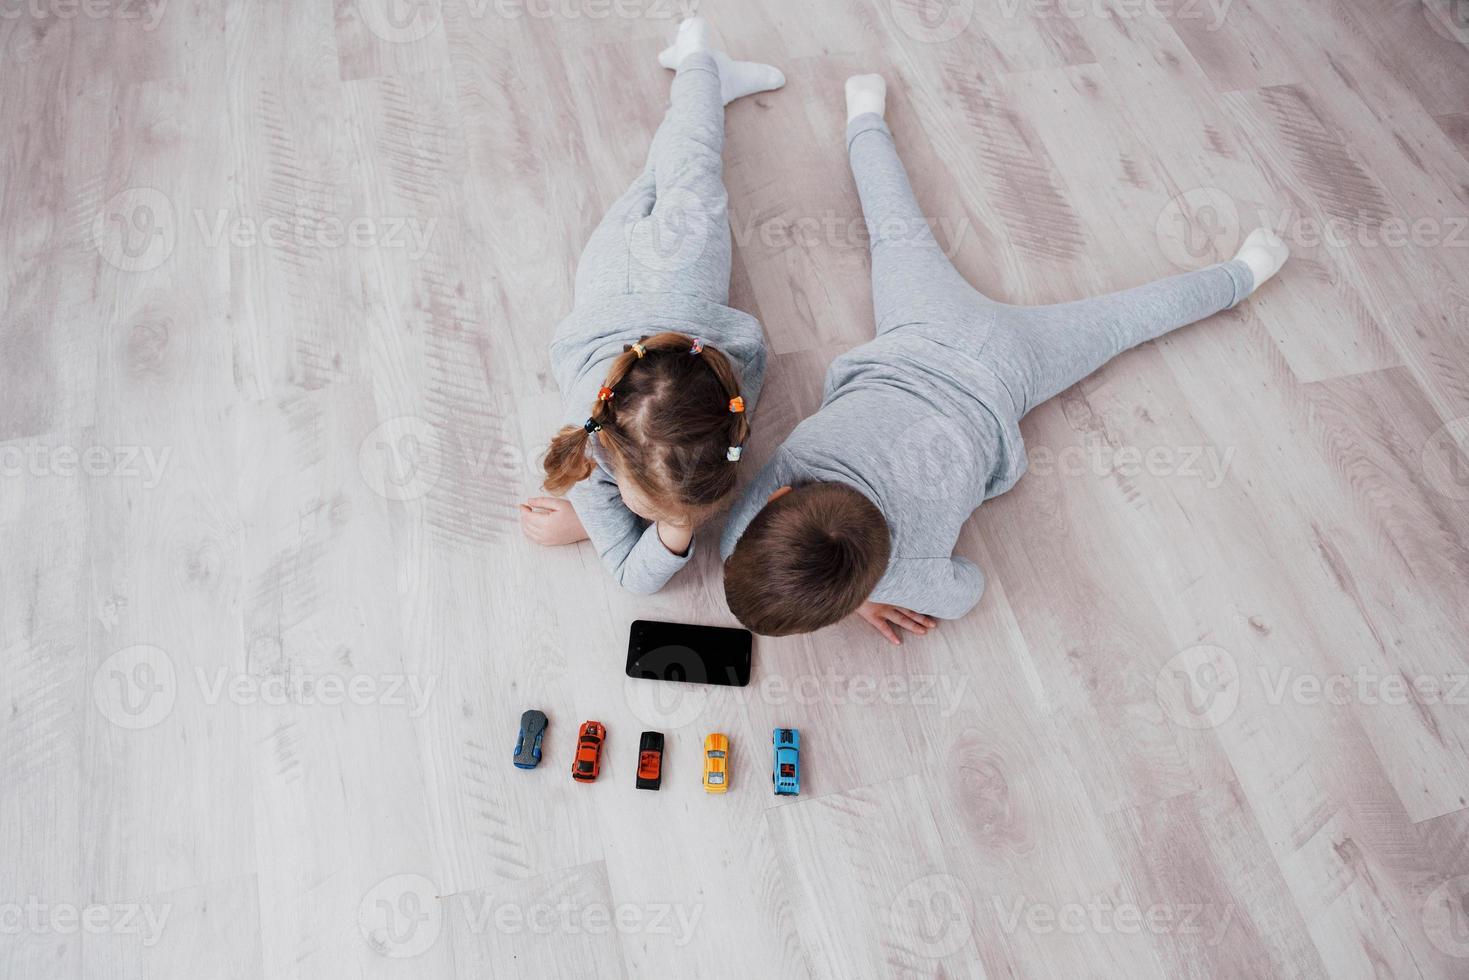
(588,752)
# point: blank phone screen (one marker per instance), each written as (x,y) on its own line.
(690,654)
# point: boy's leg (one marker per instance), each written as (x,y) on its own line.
(912,279)
(669,232)
(1040,351)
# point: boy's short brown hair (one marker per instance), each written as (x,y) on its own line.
(808,559)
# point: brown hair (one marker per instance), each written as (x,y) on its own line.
(808,559)
(665,421)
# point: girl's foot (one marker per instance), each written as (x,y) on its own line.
(736,78)
(866,93)
(1264,252)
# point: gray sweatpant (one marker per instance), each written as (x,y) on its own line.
(669,231)
(1036,351)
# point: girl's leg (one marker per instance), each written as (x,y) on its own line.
(912,279)
(669,231)
(679,240)
(1040,351)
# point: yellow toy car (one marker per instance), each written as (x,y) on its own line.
(716,763)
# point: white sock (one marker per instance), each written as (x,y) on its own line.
(866,93)
(1264,252)
(736,78)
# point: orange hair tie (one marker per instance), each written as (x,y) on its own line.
(737,404)
(604,394)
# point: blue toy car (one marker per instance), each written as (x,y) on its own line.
(528,744)
(787,773)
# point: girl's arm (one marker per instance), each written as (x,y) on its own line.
(629,546)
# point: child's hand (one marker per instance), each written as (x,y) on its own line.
(551,521)
(879,615)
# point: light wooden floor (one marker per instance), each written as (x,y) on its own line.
(241,460)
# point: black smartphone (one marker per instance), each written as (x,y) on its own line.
(691,654)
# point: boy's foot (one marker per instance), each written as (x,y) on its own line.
(866,93)
(1264,252)
(736,78)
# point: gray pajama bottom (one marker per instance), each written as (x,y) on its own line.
(669,231)
(1036,351)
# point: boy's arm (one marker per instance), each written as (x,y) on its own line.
(945,588)
(628,545)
